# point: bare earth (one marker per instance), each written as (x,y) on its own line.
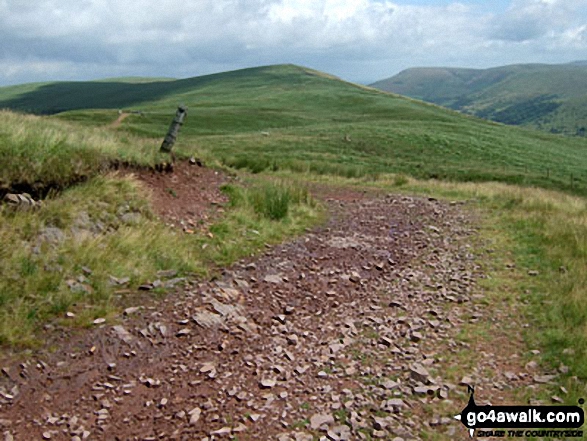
(345,333)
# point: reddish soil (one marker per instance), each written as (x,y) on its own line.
(188,197)
(345,333)
(119,120)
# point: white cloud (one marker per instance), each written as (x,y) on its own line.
(361,40)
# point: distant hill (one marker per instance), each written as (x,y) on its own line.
(285,117)
(547,97)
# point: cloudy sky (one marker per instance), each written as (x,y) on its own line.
(358,40)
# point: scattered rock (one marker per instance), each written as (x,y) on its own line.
(123,334)
(195,414)
(419,373)
(273,278)
(321,421)
(267,383)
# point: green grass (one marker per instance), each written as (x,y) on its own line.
(291,118)
(39,153)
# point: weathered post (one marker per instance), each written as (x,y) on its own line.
(173,131)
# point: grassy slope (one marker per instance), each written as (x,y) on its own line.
(320,124)
(307,116)
(549,97)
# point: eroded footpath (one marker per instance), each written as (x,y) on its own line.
(345,333)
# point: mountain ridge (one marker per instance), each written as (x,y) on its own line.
(551,97)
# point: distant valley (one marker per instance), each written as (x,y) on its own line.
(547,97)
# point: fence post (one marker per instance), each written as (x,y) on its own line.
(173,131)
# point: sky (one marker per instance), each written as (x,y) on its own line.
(358,40)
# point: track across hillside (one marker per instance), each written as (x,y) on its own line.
(350,331)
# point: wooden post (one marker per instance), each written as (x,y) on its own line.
(171,136)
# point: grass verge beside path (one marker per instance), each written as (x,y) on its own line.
(68,256)
(545,233)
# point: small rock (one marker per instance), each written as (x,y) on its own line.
(339,433)
(223,431)
(442,394)
(131,218)
(99,321)
(195,414)
(531,365)
(395,404)
(183,332)
(380,423)
(273,278)
(390,385)
(419,373)
(421,390)
(240,428)
(207,367)
(254,417)
(280,318)
(467,381)
(543,379)
(320,421)
(385,341)
(132,310)
(416,337)
(267,383)
(123,334)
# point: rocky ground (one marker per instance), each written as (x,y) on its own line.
(353,331)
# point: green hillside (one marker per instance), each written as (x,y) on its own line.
(63,261)
(547,97)
(289,117)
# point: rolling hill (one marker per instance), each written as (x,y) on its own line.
(546,97)
(288,117)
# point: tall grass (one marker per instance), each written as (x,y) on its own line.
(271,200)
(62,257)
(39,152)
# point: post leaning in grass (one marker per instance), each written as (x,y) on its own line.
(173,131)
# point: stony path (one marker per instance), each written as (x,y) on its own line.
(341,334)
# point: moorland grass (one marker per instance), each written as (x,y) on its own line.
(292,118)
(289,117)
(62,257)
(39,152)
